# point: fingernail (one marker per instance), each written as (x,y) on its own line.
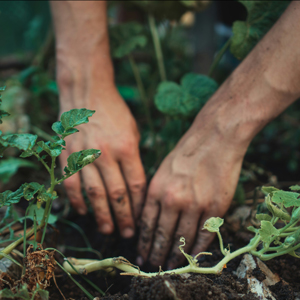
(105,229)
(139,261)
(128,233)
(82,211)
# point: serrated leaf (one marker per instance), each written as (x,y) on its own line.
(267,231)
(125,38)
(261,17)
(269,189)
(8,197)
(295,187)
(78,160)
(30,189)
(39,212)
(287,198)
(10,166)
(263,217)
(71,119)
(213,224)
(24,141)
(187,99)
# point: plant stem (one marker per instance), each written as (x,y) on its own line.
(218,57)
(142,92)
(221,243)
(42,161)
(157,47)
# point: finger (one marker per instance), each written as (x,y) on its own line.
(118,197)
(187,228)
(136,182)
(204,237)
(96,193)
(163,236)
(148,223)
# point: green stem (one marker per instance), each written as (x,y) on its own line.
(142,92)
(157,47)
(42,161)
(221,243)
(218,57)
(41,133)
(12,223)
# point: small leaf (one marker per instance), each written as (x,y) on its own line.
(39,214)
(276,211)
(30,189)
(287,198)
(24,141)
(213,224)
(52,148)
(78,160)
(267,232)
(8,197)
(295,187)
(58,128)
(187,99)
(252,229)
(263,217)
(269,189)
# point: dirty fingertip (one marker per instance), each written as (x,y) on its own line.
(128,233)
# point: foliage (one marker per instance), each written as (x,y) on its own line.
(187,99)
(125,38)
(261,17)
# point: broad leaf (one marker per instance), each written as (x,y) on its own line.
(213,224)
(39,212)
(71,119)
(267,232)
(287,198)
(261,17)
(187,99)
(78,160)
(10,166)
(263,217)
(24,141)
(125,38)
(8,197)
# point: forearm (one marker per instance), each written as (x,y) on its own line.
(82,49)
(263,85)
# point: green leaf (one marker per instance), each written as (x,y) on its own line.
(78,160)
(8,197)
(71,119)
(267,232)
(295,187)
(30,189)
(263,217)
(52,148)
(39,212)
(287,198)
(261,17)
(125,38)
(3,113)
(187,99)
(10,166)
(268,189)
(24,141)
(252,229)
(276,211)
(213,224)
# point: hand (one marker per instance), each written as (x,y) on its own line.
(117,176)
(196,181)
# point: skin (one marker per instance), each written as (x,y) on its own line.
(198,178)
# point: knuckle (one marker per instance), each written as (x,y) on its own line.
(95,193)
(129,148)
(118,195)
(137,187)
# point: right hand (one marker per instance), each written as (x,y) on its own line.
(117,177)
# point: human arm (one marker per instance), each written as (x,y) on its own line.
(197,180)
(86,80)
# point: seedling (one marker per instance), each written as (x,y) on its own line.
(268,242)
